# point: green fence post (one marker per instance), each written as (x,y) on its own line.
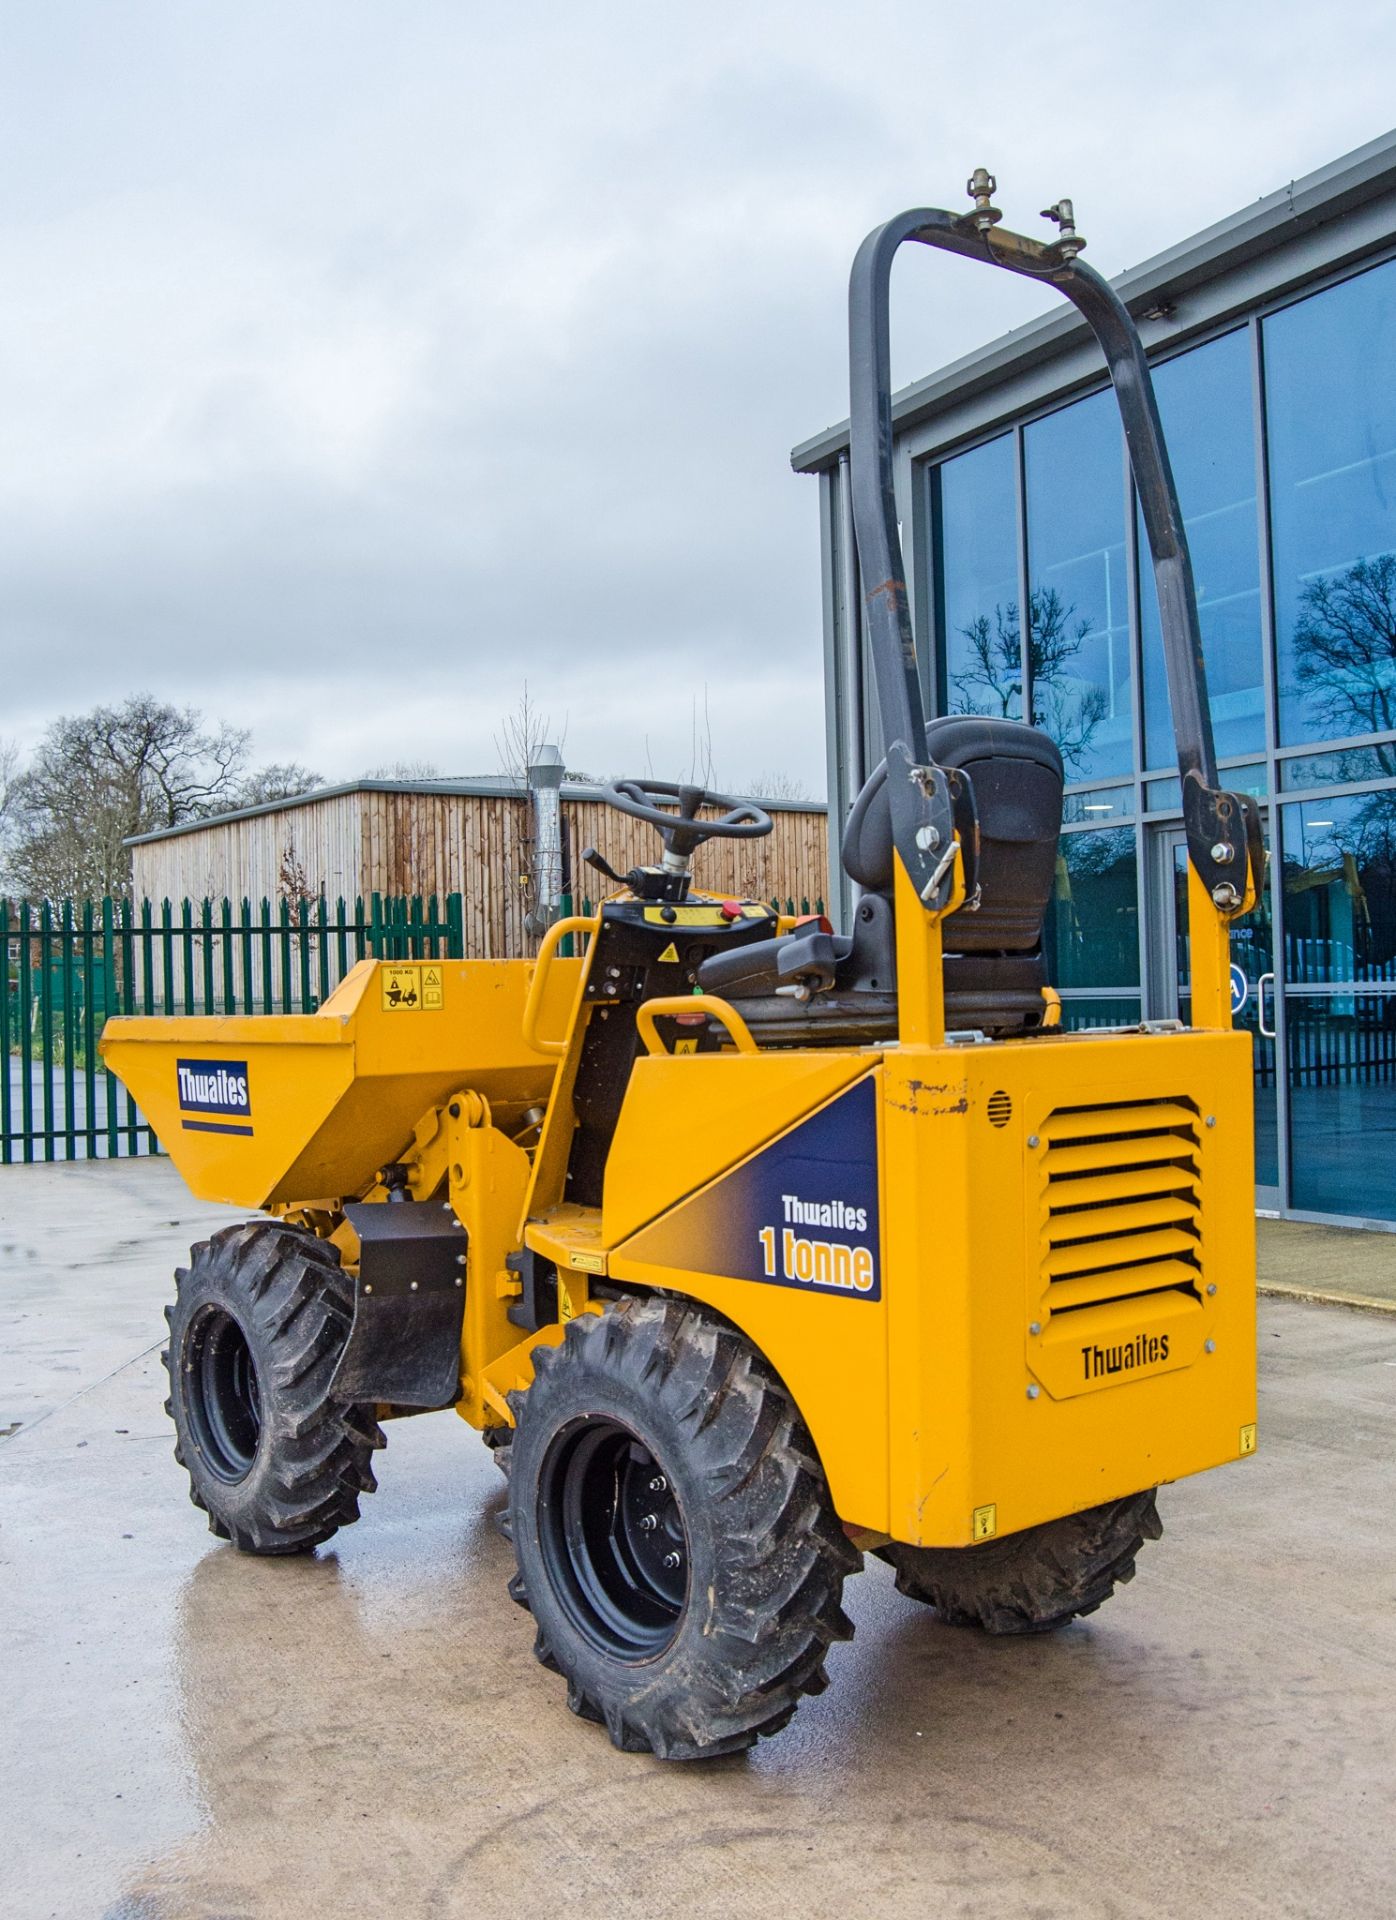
(249,991)
(455,927)
(46,1020)
(322,946)
(128,1005)
(308,1000)
(26,1029)
(167,958)
(186,952)
(268,969)
(227,954)
(210,1004)
(283,916)
(147,959)
(108,1010)
(67,942)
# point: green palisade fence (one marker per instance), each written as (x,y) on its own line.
(68,965)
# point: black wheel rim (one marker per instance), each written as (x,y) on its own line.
(224,1395)
(613,1539)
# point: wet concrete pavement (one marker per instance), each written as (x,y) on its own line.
(190,1735)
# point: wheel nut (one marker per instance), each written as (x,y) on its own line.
(673,1561)
(648,1522)
(658,1484)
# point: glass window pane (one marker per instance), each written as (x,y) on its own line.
(1079,607)
(974,507)
(1340,1002)
(1092,931)
(1098,807)
(1331,420)
(1163,796)
(1339,769)
(1204,398)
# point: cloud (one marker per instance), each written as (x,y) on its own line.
(358,364)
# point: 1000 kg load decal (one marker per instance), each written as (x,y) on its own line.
(802,1213)
(412,987)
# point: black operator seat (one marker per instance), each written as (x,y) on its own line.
(813,986)
(995,968)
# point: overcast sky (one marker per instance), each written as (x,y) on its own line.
(361,361)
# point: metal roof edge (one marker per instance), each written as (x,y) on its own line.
(1316,199)
(488,788)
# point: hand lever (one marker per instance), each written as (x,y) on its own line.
(594,859)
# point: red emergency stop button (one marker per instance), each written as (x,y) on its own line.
(731,909)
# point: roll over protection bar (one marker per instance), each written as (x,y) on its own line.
(1225,843)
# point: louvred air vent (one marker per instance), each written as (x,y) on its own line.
(1122,1204)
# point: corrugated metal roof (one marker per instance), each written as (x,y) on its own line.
(1318,199)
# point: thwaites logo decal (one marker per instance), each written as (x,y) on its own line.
(213,1096)
(801,1213)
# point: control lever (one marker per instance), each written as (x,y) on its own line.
(602,865)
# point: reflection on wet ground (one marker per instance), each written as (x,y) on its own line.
(198,1736)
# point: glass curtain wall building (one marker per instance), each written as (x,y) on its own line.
(1273,341)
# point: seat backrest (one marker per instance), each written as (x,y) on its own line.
(1017,775)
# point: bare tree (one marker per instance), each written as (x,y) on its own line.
(522,733)
(776,786)
(280,780)
(993,681)
(9,797)
(1345,653)
(102,776)
(404,770)
(700,765)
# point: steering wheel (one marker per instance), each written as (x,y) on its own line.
(681,832)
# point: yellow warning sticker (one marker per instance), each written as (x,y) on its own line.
(1248,1438)
(412,987)
(984,1523)
(401,989)
(565,1310)
(686,1046)
(671,952)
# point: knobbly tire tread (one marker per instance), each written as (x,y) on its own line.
(1036,1580)
(772,1560)
(295,1305)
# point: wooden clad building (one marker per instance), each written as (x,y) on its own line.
(470,837)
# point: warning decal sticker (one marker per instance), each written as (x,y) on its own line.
(418,987)
(801,1213)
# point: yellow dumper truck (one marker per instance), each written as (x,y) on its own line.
(752,1247)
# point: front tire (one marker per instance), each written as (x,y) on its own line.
(260,1318)
(675,1539)
(1033,1581)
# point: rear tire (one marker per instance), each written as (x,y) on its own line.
(675,1539)
(1033,1581)
(260,1318)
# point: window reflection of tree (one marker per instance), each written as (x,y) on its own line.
(992,682)
(1349,933)
(1345,653)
